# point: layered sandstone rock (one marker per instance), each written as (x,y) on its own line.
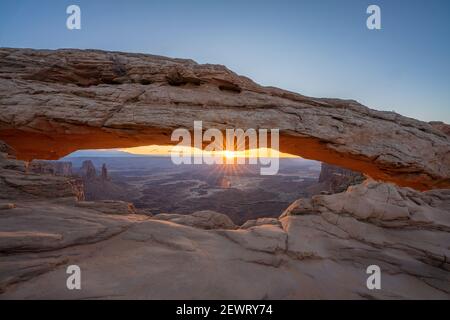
(58,168)
(17,182)
(445,128)
(334,179)
(109,206)
(321,255)
(55,102)
(205,219)
(382,204)
(6,150)
(260,222)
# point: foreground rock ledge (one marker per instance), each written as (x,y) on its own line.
(319,248)
(56,102)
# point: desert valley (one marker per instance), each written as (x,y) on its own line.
(157,185)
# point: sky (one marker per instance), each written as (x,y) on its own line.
(319,48)
(157,150)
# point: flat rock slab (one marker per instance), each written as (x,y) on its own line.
(315,251)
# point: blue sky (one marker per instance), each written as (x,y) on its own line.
(318,48)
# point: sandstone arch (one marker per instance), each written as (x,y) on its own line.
(56,102)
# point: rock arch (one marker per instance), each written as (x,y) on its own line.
(56,102)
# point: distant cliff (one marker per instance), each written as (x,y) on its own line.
(336,179)
(100,186)
(57,168)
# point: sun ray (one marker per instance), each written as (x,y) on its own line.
(166,150)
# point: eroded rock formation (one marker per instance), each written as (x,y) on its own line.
(19,183)
(206,219)
(56,102)
(104,175)
(334,179)
(445,128)
(87,171)
(58,168)
(99,186)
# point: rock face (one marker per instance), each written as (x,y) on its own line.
(88,171)
(7,150)
(108,206)
(445,128)
(320,247)
(201,219)
(260,222)
(56,102)
(100,186)
(334,179)
(58,168)
(383,204)
(104,174)
(18,183)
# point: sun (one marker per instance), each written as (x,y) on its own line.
(229,154)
